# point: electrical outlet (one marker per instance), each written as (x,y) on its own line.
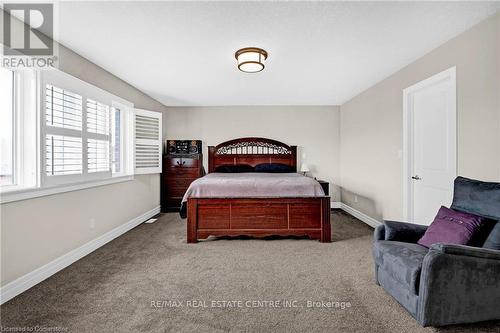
(355,198)
(92,223)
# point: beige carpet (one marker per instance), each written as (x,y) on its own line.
(112,289)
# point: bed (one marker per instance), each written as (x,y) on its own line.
(256,204)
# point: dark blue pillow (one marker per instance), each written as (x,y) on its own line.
(273,168)
(234,168)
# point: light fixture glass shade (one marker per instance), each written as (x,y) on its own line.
(251,67)
(304,168)
(251,59)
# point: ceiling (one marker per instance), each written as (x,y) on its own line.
(320,53)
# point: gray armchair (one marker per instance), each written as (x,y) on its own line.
(446,284)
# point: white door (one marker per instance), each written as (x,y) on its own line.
(430,146)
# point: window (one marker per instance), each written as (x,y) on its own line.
(18,136)
(7,127)
(58,133)
(63,138)
(71,138)
(84,132)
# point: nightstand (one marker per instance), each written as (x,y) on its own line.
(325,185)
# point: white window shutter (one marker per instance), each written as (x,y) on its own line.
(147,142)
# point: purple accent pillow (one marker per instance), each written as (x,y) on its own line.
(451,227)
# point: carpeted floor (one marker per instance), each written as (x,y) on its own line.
(136,282)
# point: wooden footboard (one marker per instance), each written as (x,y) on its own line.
(259,217)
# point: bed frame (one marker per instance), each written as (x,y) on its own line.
(257,217)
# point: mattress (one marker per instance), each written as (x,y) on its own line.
(253,185)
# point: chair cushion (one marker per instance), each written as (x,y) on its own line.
(403,261)
(477,197)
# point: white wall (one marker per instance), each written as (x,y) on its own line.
(37,231)
(372,131)
(314,129)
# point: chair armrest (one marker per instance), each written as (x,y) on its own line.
(403,232)
(468,251)
(459,284)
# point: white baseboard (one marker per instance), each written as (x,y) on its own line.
(360,216)
(29,280)
(335,204)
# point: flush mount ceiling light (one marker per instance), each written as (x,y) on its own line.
(251,59)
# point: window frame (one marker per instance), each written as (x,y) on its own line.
(24,132)
(31,129)
(126,139)
(14,123)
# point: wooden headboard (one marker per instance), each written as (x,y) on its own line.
(251,151)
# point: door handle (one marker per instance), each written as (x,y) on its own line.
(416,177)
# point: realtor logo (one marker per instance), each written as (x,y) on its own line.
(34,37)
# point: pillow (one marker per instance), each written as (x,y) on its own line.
(234,168)
(451,227)
(476,197)
(273,168)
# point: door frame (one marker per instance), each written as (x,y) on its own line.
(449,74)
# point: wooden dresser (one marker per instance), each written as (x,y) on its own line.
(178,172)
